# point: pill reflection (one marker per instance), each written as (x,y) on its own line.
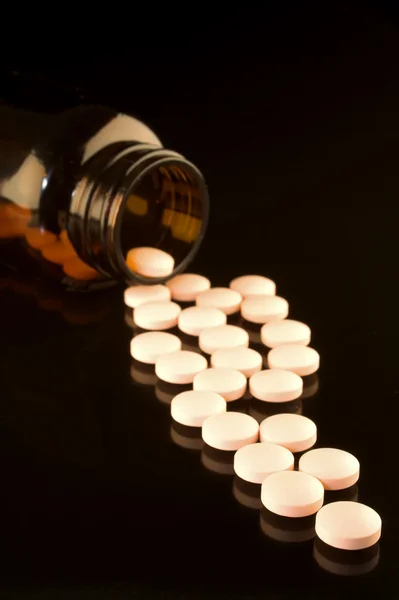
(218,461)
(189,342)
(285,529)
(247,494)
(142,374)
(345,562)
(351,494)
(165,392)
(310,386)
(189,438)
(261,410)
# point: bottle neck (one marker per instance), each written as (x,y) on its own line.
(132,194)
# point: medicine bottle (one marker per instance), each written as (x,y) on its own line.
(80,189)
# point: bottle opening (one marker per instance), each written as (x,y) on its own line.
(166,209)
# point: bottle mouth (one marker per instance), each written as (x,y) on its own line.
(165,207)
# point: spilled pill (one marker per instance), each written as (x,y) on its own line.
(301,360)
(275,386)
(229,301)
(150,262)
(285,331)
(223,336)
(156,315)
(255,462)
(253,285)
(191,408)
(228,383)
(229,431)
(187,286)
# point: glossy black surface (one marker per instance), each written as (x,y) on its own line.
(293,119)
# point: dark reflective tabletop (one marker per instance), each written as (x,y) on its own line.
(294,122)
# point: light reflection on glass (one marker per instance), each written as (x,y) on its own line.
(247,494)
(218,461)
(346,562)
(285,529)
(189,438)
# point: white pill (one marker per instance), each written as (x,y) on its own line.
(246,360)
(301,360)
(140,294)
(230,431)
(193,407)
(295,432)
(286,331)
(224,336)
(253,285)
(275,386)
(186,287)
(292,494)
(150,262)
(195,319)
(157,315)
(227,300)
(180,367)
(147,347)
(229,383)
(336,469)
(348,525)
(255,462)
(262,309)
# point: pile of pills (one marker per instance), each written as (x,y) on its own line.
(223,369)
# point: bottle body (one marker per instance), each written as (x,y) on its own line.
(80,189)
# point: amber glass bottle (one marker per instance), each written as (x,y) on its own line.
(80,189)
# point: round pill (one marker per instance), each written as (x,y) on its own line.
(186,287)
(195,319)
(180,367)
(229,430)
(336,469)
(157,315)
(253,285)
(150,262)
(285,331)
(221,337)
(262,309)
(292,494)
(348,525)
(275,385)
(193,407)
(255,462)
(147,347)
(294,432)
(301,360)
(227,300)
(140,294)
(228,383)
(246,360)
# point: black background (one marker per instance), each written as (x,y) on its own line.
(291,112)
